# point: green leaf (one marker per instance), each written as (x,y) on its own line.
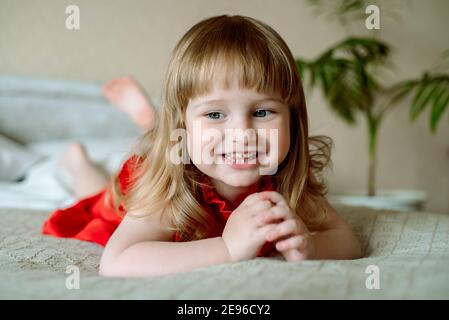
(440,105)
(324,77)
(305,68)
(301,65)
(402,90)
(342,73)
(313,74)
(422,98)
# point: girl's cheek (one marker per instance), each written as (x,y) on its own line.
(202,142)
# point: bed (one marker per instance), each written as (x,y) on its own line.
(406,253)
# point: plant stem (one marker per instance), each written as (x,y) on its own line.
(372,154)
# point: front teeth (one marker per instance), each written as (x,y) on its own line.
(240,157)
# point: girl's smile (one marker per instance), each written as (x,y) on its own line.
(241,160)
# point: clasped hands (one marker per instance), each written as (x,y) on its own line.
(266,216)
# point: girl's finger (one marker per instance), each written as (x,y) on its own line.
(265,229)
(293,255)
(251,199)
(271,215)
(285,228)
(277,199)
(273,196)
(296,242)
(258,207)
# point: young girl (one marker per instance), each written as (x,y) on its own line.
(227,75)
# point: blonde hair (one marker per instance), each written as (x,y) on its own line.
(262,60)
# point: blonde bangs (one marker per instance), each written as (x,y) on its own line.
(239,50)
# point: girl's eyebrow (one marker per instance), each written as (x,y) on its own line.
(209,102)
(218,101)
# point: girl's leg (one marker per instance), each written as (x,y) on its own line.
(128,96)
(87,179)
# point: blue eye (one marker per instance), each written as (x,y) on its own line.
(261,113)
(215,114)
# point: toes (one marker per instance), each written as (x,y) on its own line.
(108,86)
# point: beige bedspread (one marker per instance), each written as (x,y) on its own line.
(410,250)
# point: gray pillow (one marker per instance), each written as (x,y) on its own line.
(40,109)
(15,160)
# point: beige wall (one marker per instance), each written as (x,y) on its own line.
(136,37)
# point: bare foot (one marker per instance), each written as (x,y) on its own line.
(126,94)
(86,178)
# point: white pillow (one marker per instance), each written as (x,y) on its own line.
(15,160)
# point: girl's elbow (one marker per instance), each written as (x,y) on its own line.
(109,265)
(113,269)
(357,252)
(104,272)
(106,269)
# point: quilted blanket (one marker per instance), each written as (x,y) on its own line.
(406,257)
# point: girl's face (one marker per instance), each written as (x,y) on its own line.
(226,127)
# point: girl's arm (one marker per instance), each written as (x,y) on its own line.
(140,247)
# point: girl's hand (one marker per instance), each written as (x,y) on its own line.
(244,233)
(292,237)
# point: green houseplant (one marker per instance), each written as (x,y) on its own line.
(348,75)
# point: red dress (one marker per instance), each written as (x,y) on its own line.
(90,219)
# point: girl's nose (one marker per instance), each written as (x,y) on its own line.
(242,123)
(242,131)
